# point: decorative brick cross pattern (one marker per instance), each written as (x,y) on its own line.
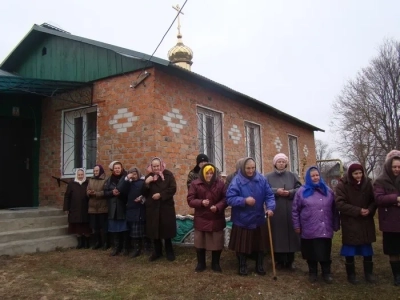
(122,120)
(305,150)
(175,120)
(278,144)
(234,134)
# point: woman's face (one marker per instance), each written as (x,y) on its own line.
(80,175)
(155,166)
(135,176)
(314,174)
(117,169)
(396,167)
(209,175)
(96,171)
(250,168)
(280,164)
(357,175)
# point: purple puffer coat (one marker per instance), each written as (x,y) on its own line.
(316,216)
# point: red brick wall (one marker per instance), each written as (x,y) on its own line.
(149,135)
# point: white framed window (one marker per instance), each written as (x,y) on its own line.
(293,154)
(253,143)
(209,128)
(79,140)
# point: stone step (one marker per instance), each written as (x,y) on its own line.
(44,244)
(35,233)
(30,212)
(34,222)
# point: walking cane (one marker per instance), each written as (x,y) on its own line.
(272,248)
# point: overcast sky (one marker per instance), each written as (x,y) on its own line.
(293,55)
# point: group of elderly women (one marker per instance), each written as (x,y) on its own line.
(302,217)
(120,205)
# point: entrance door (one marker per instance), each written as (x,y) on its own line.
(16,149)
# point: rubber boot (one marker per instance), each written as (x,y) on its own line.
(117,244)
(201,260)
(97,241)
(242,264)
(80,242)
(137,248)
(86,242)
(326,271)
(157,252)
(126,242)
(169,250)
(147,245)
(105,240)
(396,272)
(215,258)
(312,271)
(351,273)
(260,264)
(368,271)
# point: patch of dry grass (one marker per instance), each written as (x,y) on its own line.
(89,274)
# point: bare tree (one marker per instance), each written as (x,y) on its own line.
(368,110)
(322,152)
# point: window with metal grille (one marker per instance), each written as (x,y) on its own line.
(79,140)
(253,143)
(293,155)
(209,135)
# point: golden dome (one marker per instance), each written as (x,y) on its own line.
(180,54)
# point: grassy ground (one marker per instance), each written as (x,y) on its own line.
(90,274)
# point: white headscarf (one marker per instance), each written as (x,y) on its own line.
(76,176)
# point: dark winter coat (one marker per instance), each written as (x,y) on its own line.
(356,229)
(116,204)
(135,211)
(388,211)
(204,218)
(97,203)
(76,202)
(160,214)
(285,239)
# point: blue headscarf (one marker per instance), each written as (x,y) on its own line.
(310,187)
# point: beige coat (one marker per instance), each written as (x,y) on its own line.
(98,203)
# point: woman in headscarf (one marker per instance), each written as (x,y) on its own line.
(284,184)
(248,193)
(116,209)
(355,201)
(131,188)
(315,218)
(387,196)
(76,205)
(238,165)
(98,209)
(207,196)
(159,190)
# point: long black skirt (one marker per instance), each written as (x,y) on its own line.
(247,241)
(391,243)
(316,249)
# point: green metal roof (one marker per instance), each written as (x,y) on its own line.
(12,84)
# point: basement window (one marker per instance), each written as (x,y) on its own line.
(79,140)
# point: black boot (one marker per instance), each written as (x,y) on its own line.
(86,242)
(117,244)
(137,248)
(97,241)
(290,262)
(157,253)
(215,257)
(396,272)
(260,264)
(326,271)
(368,268)
(80,242)
(147,245)
(351,273)
(169,250)
(105,240)
(312,271)
(201,260)
(242,264)
(126,242)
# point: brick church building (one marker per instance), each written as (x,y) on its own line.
(68,102)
